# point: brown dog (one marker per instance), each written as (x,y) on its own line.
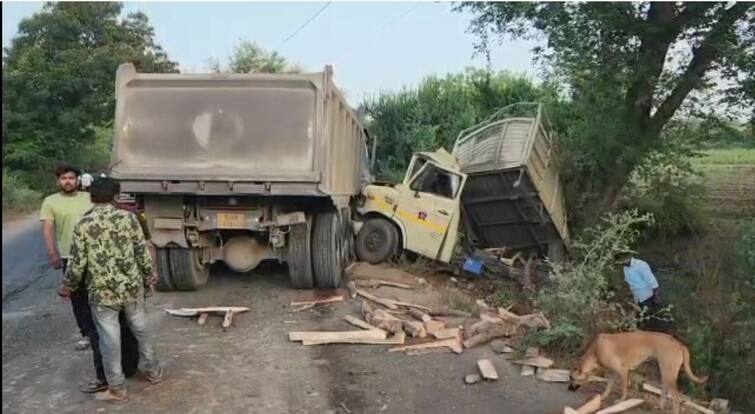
(623,352)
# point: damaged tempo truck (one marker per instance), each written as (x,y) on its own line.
(241,168)
(500,188)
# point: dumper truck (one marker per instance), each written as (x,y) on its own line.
(241,168)
(499,188)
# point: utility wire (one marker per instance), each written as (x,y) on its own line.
(303,25)
(400,17)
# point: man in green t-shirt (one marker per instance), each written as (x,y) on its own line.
(59,214)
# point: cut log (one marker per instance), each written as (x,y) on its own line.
(491,319)
(487,370)
(358,322)
(590,406)
(384,320)
(553,375)
(446,333)
(452,343)
(337,335)
(331,299)
(388,303)
(376,283)
(367,311)
(228,319)
(448,312)
(527,371)
(415,329)
(352,287)
(411,305)
(497,330)
(434,326)
(303,307)
(622,406)
(419,315)
(538,361)
(535,321)
(203,318)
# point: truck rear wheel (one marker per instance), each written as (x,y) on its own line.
(188,272)
(377,241)
(164,278)
(331,250)
(299,255)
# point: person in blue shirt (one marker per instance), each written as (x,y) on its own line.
(644,286)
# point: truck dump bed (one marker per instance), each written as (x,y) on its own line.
(235,133)
(513,196)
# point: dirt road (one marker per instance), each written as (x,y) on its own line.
(250,368)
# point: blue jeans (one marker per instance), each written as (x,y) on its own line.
(109,330)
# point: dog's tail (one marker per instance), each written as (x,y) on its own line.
(688,369)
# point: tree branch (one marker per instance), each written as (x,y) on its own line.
(702,57)
(660,29)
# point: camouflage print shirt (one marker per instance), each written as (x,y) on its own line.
(109,248)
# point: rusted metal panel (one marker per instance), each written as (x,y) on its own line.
(240,128)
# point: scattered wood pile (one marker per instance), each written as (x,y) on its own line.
(203,313)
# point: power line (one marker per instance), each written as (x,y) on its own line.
(400,17)
(303,25)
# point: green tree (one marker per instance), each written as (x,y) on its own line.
(251,57)
(59,76)
(628,68)
(432,114)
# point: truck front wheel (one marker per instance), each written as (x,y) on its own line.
(377,241)
(187,270)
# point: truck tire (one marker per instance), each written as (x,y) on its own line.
(164,278)
(377,241)
(187,272)
(330,250)
(299,255)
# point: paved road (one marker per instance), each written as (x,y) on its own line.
(249,368)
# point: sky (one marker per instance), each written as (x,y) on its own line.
(373,46)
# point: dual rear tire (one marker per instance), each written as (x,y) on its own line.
(180,269)
(319,250)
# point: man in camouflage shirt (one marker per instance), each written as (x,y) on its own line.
(110,249)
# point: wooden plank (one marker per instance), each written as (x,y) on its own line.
(352,288)
(213,309)
(686,400)
(228,319)
(527,371)
(452,343)
(331,299)
(434,326)
(415,329)
(419,315)
(396,339)
(590,406)
(553,375)
(203,318)
(358,322)
(538,361)
(446,333)
(376,283)
(336,335)
(411,305)
(388,303)
(622,406)
(487,370)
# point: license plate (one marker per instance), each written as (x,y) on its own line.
(230,221)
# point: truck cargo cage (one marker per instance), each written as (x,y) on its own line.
(513,197)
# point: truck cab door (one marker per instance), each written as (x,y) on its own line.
(428,207)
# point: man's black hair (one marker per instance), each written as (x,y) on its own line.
(66,168)
(103,190)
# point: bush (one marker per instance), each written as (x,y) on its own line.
(580,299)
(16,193)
